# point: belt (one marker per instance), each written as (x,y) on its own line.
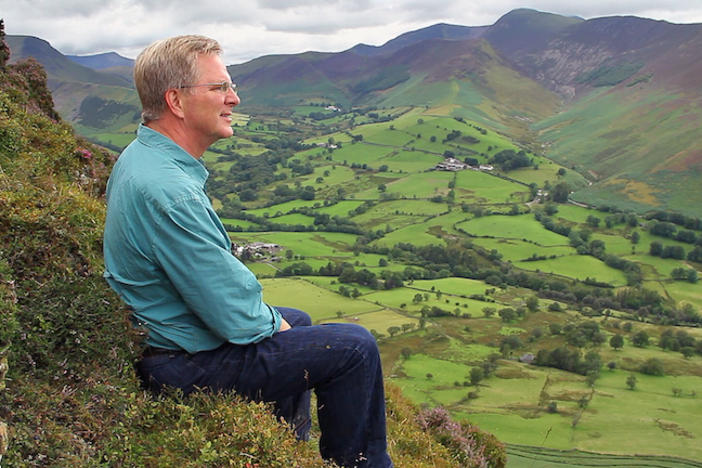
(152,351)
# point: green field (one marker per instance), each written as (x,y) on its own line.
(481,187)
(406,203)
(523,227)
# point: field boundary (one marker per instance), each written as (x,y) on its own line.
(575,457)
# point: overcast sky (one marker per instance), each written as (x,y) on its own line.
(252,28)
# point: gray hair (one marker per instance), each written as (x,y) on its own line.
(166,64)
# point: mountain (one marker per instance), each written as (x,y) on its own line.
(102,61)
(632,122)
(437,31)
(616,98)
(82,95)
(58,66)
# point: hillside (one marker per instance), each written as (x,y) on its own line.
(572,333)
(102,61)
(613,98)
(68,393)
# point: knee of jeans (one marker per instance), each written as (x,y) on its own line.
(304,319)
(364,340)
(295,317)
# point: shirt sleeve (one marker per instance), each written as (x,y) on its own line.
(215,285)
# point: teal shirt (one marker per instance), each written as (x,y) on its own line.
(169,258)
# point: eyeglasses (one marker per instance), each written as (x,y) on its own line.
(224,86)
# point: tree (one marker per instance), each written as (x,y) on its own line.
(635,237)
(593,221)
(652,366)
(507,314)
(532,303)
(476,375)
(631,382)
(655,249)
(640,339)
(616,342)
(560,193)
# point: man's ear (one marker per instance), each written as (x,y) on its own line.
(174,102)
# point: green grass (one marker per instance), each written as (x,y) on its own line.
(514,250)
(320,303)
(424,233)
(523,227)
(519,456)
(423,185)
(455,286)
(293,219)
(481,187)
(410,161)
(340,209)
(579,267)
(381,320)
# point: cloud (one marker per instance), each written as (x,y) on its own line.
(259,27)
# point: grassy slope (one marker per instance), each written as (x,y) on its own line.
(638,144)
(68,389)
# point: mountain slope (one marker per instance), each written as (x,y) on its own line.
(110,90)
(437,31)
(632,123)
(102,61)
(613,75)
(68,389)
(58,67)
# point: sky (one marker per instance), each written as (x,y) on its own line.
(254,28)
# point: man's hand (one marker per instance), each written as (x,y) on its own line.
(284,325)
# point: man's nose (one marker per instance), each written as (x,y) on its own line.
(232,98)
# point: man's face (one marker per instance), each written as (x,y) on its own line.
(208,109)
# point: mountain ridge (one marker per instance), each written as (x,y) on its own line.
(530,67)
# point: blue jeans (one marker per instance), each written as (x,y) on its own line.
(339,361)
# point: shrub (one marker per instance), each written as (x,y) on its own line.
(466,443)
(652,366)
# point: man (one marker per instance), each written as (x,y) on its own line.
(169,257)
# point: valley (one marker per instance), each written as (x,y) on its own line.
(460,281)
(521,234)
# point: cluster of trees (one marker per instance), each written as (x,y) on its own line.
(684,274)
(583,333)
(509,159)
(284,192)
(668,251)
(688,222)
(570,360)
(681,341)
(677,252)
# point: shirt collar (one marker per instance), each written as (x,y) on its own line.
(192,166)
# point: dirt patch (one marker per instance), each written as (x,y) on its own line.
(524,411)
(570,395)
(674,428)
(513,373)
